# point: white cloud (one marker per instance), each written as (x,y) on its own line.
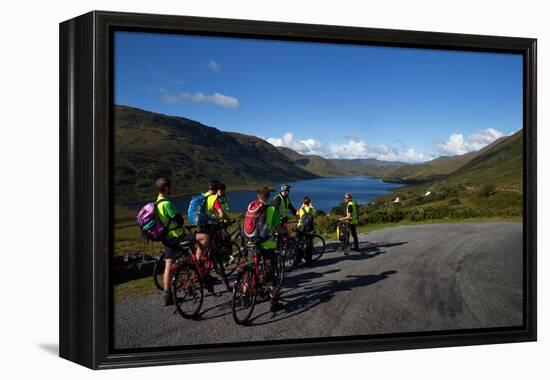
(214,66)
(353,148)
(309,146)
(200,97)
(457,144)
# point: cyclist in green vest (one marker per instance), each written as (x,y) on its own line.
(305,225)
(282,204)
(168,216)
(267,248)
(352,218)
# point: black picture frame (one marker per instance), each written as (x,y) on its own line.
(86,237)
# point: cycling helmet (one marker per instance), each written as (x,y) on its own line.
(285,187)
(214,185)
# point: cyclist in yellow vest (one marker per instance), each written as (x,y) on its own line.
(306,208)
(282,204)
(224,204)
(352,218)
(213,210)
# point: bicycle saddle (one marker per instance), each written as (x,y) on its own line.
(184,244)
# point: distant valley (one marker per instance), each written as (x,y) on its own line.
(148,145)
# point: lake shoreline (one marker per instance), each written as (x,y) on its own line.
(325,192)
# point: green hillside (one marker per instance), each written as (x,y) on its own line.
(315,164)
(148,145)
(500,163)
(487,185)
(427,171)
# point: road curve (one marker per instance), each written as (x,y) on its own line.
(406,279)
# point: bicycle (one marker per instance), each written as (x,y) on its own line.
(158,269)
(251,282)
(296,244)
(229,250)
(344,235)
(191,276)
(237,235)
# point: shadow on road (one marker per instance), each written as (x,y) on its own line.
(313,295)
(367,250)
(305,289)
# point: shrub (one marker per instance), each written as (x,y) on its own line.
(454,202)
(487,190)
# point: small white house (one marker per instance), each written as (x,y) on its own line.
(397,200)
(427,193)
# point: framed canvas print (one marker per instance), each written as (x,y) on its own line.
(236,189)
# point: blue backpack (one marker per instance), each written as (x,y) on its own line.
(196,213)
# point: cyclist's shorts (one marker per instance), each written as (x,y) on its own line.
(173,252)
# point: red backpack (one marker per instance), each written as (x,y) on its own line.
(255,227)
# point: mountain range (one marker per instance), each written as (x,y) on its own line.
(499,163)
(148,145)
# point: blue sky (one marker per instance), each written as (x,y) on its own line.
(339,101)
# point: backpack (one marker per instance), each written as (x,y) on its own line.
(255,227)
(306,222)
(196,213)
(151,227)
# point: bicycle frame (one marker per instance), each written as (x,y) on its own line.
(255,266)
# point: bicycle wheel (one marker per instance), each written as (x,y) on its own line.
(290,252)
(318,247)
(187,291)
(244,297)
(279,271)
(234,258)
(158,272)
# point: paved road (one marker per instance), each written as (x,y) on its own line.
(406,279)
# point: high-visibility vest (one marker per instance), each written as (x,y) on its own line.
(210,200)
(354,215)
(283,205)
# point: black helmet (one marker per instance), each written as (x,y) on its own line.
(214,185)
(285,187)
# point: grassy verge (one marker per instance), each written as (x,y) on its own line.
(135,289)
(366,228)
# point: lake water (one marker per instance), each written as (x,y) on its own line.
(325,193)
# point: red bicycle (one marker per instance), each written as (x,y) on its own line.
(191,277)
(253,280)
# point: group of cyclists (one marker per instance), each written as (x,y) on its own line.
(275,220)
